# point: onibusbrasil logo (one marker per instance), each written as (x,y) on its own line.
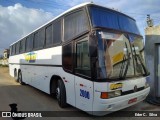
(19,115)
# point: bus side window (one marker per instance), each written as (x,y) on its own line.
(17,47)
(13,49)
(36,41)
(29,43)
(67,59)
(41,38)
(10,50)
(22,46)
(75,24)
(49,35)
(57,32)
(82,58)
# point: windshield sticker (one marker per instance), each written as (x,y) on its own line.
(30,57)
(116,86)
(117,57)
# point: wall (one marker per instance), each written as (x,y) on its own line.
(152,44)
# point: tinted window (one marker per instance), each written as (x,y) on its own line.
(67,57)
(10,50)
(13,49)
(75,24)
(103,17)
(36,41)
(83,60)
(41,38)
(17,48)
(49,36)
(29,43)
(57,32)
(22,46)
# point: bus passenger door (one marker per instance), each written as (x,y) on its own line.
(83,86)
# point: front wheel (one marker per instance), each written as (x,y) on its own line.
(61,94)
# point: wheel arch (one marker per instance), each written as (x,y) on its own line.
(53,83)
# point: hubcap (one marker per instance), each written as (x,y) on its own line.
(58,93)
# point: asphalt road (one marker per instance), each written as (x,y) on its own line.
(28,98)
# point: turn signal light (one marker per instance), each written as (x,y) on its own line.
(104,95)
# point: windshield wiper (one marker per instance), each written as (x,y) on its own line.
(121,74)
(122,67)
(137,56)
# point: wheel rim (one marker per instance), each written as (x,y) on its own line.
(58,93)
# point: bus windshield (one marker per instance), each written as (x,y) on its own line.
(120,56)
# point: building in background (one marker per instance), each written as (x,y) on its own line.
(152,52)
(4,60)
(6,54)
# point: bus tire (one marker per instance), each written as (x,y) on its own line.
(15,75)
(61,94)
(20,78)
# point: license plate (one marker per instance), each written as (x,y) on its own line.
(132,100)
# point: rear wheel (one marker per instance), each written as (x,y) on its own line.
(20,78)
(15,75)
(61,94)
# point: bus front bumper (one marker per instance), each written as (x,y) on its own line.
(106,106)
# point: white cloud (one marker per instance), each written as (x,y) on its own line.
(17,21)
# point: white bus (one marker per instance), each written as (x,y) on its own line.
(90,57)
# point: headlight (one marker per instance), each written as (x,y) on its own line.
(117,93)
(114,94)
(106,95)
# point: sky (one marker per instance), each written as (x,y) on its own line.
(20,17)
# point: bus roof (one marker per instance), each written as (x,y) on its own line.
(67,11)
